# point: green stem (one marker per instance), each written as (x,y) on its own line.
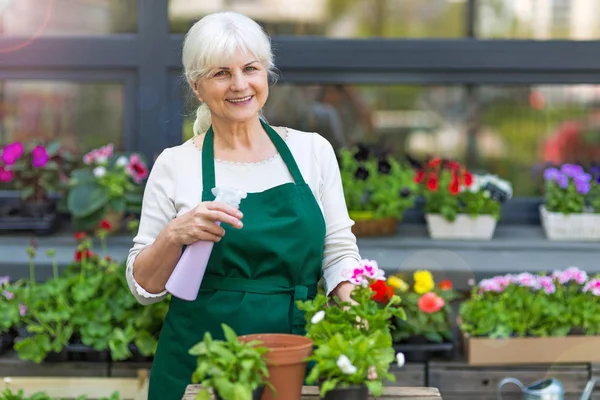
(31,273)
(54,268)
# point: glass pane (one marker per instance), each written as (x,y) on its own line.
(534,19)
(67,17)
(82,115)
(335,18)
(513,132)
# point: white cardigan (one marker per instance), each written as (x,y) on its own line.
(174,187)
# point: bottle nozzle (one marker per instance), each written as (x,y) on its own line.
(229,196)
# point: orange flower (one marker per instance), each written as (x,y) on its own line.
(383,292)
(446,285)
(430,303)
(104,224)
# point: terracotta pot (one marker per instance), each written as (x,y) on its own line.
(355,392)
(285,362)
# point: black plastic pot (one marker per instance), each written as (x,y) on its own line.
(355,392)
(6,342)
(77,351)
(256,394)
(17,215)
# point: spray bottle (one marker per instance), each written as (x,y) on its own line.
(186,278)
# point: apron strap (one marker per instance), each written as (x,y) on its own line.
(208,160)
(298,292)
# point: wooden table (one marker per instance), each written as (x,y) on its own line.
(390,393)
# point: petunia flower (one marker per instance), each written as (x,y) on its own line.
(318,317)
(343,363)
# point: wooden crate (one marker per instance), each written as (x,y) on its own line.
(11,365)
(460,381)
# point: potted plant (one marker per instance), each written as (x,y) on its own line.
(459,204)
(427,329)
(233,369)
(109,185)
(353,341)
(378,190)
(571,209)
(526,318)
(32,178)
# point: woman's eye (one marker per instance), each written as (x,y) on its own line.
(220,73)
(249,69)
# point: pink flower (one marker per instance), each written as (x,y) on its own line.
(593,286)
(365,271)
(547,284)
(12,152)
(39,157)
(372,373)
(22,310)
(8,295)
(571,274)
(137,169)
(99,155)
(6,175)
(491,285)
(430,303)
(526,279)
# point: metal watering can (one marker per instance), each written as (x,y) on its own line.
(546,389)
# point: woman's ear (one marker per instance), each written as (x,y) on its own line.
(196,91)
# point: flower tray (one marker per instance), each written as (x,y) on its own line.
(18,216)
(464,227)
(375,227)
(423,352)
(572,227)
(532,350)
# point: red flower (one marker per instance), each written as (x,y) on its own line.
(432,182)
(80,235)
(430,303)
(468,178)
(419,176)
(383,292)
(435,162)
(107,258)
(454,186)
(453,165)
(445,284)
(79,255)
(104,224)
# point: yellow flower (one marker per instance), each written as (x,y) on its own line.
(423,281)
(397,283)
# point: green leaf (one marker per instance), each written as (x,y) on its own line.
(86,199)
(117,204)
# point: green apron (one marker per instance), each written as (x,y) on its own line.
(254,276)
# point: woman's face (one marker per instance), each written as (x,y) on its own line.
(237,91)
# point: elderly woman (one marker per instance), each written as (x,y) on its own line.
(292,229)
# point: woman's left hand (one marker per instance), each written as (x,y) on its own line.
(343,291)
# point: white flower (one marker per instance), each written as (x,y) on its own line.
(345,365)
(318,317)
(99,172)
(7,380)
(400,359)
(122,161)
(101,159)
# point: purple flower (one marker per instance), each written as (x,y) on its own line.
(572,170)
(39,157)
(4,280)
(12,152)
(582,183)
(8,295)
(22,310)
(562,180)
(550,174)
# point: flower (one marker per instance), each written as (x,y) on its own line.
(397,283)
(12,152)
(99,171)
(79,235)
(547,283)
(39,157)
(318,317)
(22,310)
(105,224)
(423,281)
(4,280)
(571,274)
(383,292)
(445,284)
(6,175)
(122,161)
(343,362)
(81,254)
(8,295)
(372,373)
(137,169)
(367,269)
(592,286)
(430,303)
(400,359)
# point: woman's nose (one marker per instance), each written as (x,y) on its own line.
(239,82)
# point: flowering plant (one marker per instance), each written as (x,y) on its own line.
(450,189)
(37,170)
(564,302)
(107,182)
(571,189)
(353,339)
(375,186)
(427,307)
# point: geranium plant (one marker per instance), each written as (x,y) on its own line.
(232,368)
(427,307)
(353,339)
(38,170)
(375,186)
(571,190)
(558,304)
(108,182)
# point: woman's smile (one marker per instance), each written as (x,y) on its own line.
(240,101)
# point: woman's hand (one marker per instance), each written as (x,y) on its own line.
(343,291)
(199,223)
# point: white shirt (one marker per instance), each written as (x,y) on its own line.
(174,187)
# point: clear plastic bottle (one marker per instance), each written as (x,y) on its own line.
(186,278)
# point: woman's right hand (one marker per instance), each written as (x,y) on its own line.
(199,223)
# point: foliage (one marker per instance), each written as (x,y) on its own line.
(353,339)
(571,189)
(8,394)
(108,181)
(377,184)
(565,302)
(37,169)
(427,307)
(449,189)
(233,368)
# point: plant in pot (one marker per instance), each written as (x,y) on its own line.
(377,188)
(232,368)
(571,209)
(459,204)
(105,188)
(427,329)
(38,171)
(353,339)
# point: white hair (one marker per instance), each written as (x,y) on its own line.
(213,41)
